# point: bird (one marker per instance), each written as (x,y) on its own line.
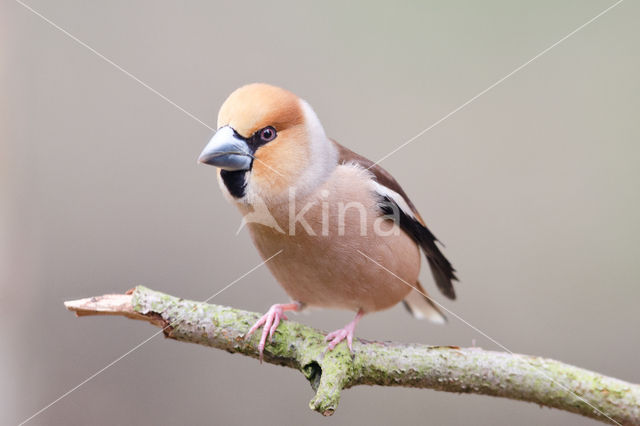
(337,229)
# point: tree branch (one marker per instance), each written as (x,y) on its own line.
(452,369)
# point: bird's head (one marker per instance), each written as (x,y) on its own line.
(268,141)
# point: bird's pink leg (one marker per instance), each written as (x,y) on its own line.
(338,336)
(270,321)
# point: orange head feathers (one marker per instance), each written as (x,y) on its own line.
(268,141)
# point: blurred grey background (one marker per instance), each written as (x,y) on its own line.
(534,188)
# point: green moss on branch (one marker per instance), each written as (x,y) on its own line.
(451,369)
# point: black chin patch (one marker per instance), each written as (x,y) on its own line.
(235,181)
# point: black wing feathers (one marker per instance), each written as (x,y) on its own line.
(442,270)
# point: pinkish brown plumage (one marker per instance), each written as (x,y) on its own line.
(329,213)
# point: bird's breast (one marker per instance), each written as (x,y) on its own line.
(327,239)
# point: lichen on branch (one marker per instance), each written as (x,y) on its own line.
(462,370)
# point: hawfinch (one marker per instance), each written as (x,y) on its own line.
(337,229)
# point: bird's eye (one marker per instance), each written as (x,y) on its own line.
(267,134)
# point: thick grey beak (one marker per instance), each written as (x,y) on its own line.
(227,151)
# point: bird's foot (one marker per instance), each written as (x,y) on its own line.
(270,321)
(346,332)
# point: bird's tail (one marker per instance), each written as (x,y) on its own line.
(422,307)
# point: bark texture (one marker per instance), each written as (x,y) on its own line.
(463,370)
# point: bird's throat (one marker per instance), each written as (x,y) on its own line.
(235,181)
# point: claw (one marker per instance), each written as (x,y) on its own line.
(270,321)
(338,336)
(276,322)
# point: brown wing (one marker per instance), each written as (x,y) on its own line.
(443,272)
(382,176)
